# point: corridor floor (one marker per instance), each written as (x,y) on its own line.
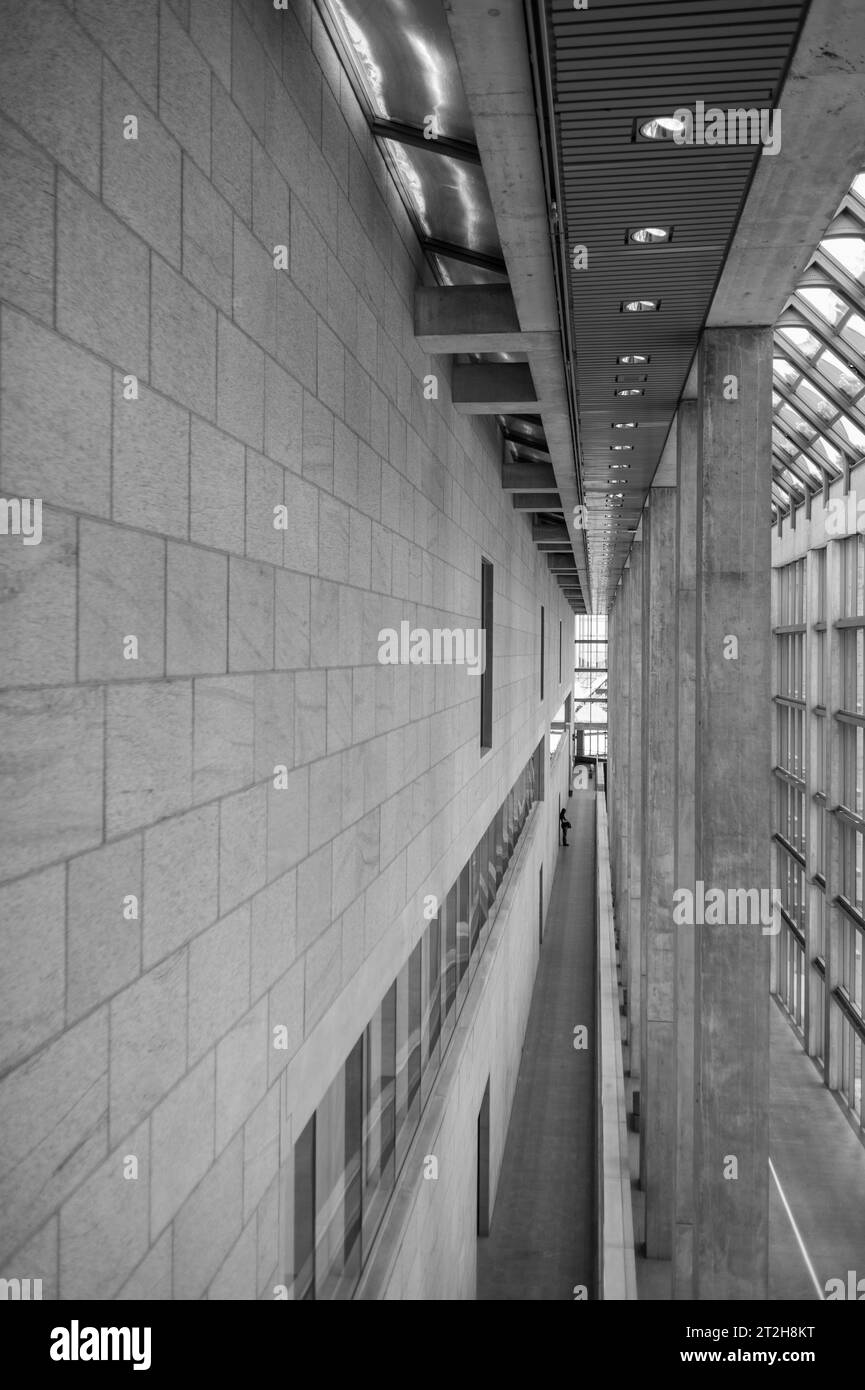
(819,1164)
(540,1242)
(817,1229)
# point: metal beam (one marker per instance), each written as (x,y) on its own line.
(436,247)
(406,134)
(492,388)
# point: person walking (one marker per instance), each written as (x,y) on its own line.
(564,825)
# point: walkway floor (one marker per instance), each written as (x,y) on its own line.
(818,1162)
(540,1242)
(820,1165)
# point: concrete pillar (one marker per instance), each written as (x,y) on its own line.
(658,1092)
(685,877)
(623,681)
(612,747)
(635,783)
(732,803)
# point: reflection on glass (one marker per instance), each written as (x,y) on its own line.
(463,933)
(304,1214)
(802,339)
(828,305)
(449,963)
(408,1051)
(785,370)
(841,376)
(478,898)
(379,1114)
(848,251)
(337,1182)
(431,1026)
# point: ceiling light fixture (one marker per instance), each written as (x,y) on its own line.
(649,236)
(639,306)
(633,359)
(661,127)
(630,391)
(620,448)
(624,425)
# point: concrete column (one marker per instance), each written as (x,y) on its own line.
(623,681)
(635,783)
(686,733)
(732,803)
(658,1119)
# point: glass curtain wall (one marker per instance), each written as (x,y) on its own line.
(590,686)
(818,439)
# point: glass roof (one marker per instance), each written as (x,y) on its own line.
(404,72)
(819,368)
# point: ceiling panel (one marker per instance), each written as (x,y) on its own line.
(613,66)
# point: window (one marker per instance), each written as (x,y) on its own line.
(542,652)
(560,651)
(590,686)
(338,1183)
(379,1122)
(487,674)
(408,1051)
(304,1214)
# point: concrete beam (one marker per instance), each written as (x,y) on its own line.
(536,502)
(822,149)
(528,477)
(557,536)
(494,388)
(493,56)
(468,318)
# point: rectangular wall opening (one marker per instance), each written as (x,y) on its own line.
(484,1164)
(487,675)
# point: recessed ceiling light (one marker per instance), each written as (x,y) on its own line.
(630,391)
(634,359)
(619,448)
(639,306)
(649,236)
(624,425)
(620,465)
(661,127)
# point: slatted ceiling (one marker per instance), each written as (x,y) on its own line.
(615,64)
